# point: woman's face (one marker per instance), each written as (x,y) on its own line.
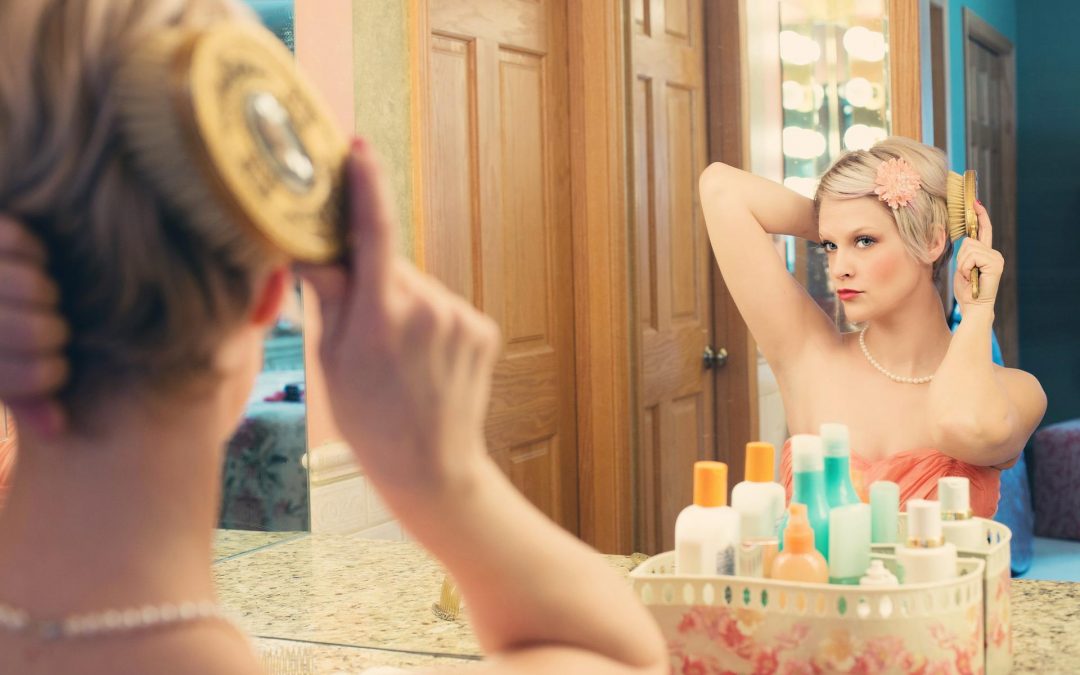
(871,269)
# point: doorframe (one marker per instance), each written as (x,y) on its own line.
(727,101)
(975,28)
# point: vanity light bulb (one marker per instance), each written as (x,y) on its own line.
(863,137)
(864,44)
(800,143)
(798,50)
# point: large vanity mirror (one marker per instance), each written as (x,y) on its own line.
(265,484)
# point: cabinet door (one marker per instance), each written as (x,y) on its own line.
(497,221)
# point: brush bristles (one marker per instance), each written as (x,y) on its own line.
(156,139)
(288,661)
(956,204)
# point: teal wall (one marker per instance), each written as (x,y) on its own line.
(1001,14)
(1048,199)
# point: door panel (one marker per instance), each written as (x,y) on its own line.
(673,262)
(498,221)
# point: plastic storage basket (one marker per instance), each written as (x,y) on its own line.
(722,624)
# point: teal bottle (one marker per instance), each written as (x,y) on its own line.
(836,443)
(807,464)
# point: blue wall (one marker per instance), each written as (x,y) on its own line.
(1048,200)
(1043,34)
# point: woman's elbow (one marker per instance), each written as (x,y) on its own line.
(972,440)
(716,177)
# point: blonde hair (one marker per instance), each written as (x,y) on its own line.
(148,294)
(853,175)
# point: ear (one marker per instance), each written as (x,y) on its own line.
(270,296)
(937,246)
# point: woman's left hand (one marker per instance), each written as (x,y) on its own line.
(981,254)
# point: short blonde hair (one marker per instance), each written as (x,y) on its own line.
(852,176)
(148,294)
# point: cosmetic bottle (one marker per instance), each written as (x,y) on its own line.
(884,510)
(808,469)
(958,526)
(878,576)
(849,543)
(707,531)
(836,442)
(926,556)
(800,559)
(760,503)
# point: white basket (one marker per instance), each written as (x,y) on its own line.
(996,591)
(716,624)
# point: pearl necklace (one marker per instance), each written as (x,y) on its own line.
(15,620)
(881,368)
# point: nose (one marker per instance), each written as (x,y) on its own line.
(840,265)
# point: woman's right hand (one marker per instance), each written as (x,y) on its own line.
(33,334)
(408,363)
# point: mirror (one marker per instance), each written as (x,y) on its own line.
(265,482)
(835,96)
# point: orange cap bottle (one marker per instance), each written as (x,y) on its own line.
(800,561)
(710,483)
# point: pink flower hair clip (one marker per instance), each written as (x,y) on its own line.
(897,183)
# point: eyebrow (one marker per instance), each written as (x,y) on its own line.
(860,232)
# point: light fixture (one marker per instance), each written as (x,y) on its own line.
(798,50)
(801,143)
(807,187)
(862,137)
(864,44)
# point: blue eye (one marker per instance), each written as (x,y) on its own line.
(864,242)
(827,246)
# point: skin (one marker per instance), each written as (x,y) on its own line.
(973,410)
(408,368)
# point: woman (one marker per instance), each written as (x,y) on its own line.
(920,402)
(114,497)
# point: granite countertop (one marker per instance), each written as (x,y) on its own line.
(361,603)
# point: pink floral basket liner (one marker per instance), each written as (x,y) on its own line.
(727,624)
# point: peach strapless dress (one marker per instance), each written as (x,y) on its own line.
(917,473)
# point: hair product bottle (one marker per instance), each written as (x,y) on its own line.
(884,508)
(836,442)
(760,503)
(958,526)
(707,531)
(800,560)
(926,556)
(849,543)
(808,467)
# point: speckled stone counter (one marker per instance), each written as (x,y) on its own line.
(230,543)
(363,603)
(1046,626)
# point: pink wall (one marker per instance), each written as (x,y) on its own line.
(324,49)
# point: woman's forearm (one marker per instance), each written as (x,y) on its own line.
(972,407)
(528,583)
(776,208)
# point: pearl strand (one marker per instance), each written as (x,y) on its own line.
(881,368)
(113,621)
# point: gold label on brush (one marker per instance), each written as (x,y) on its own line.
(268,142)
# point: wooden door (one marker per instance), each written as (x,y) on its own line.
(7,450)
(673,262)
(990,106)
(496,226)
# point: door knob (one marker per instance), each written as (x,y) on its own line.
(714,359)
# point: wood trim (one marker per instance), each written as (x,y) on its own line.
(598,128)
(905,74)
(727,96)
(419,32)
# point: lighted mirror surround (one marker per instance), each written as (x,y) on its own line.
(834,62)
